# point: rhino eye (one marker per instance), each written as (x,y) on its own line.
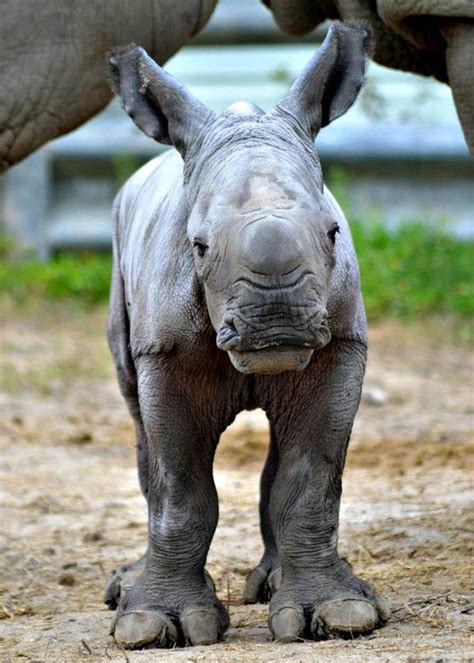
(201,247)
(332,233)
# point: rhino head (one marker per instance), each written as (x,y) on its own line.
(262,232)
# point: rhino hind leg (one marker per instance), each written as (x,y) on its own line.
(121,580)
(265,578)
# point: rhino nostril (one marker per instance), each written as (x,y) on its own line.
(228,329)
(229,321)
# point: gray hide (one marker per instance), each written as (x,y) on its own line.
(52,59)
(235,285)
(428,37)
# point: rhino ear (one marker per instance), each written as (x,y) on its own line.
(160,106)
(330,82)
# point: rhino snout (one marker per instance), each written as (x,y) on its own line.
(270,249)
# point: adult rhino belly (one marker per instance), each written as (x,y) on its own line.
(417,20)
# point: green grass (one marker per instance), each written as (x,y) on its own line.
(415,271)
(83,278)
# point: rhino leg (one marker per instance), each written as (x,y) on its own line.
(265,577)
(171,601)
(319,596)
(122,579)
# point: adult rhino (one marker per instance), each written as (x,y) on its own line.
(428,37)
(52,60)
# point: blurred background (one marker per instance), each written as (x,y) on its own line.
(72,511)
(397,162)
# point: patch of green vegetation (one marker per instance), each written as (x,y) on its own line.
(83,277)
(124,165)
(281,75)
(412,272)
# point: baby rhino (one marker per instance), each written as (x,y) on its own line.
(235,286)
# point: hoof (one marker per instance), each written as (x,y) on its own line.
(144,628)
(383,608)
(209,581)
(344,617)
(112,592)
(261,585)
(122,580)
(287,624)
(201,626)
(274,580)
(255,586)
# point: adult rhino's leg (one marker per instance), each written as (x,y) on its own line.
(459,37)
(171,602)
(297,17)
(263,578)
(319,596)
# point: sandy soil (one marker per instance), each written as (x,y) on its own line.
(72,510)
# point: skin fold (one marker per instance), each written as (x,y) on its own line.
(235,285)
(427,37)
(52,60)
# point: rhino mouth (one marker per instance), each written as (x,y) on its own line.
(271,359)
(257,342)
(272,350)
(274,355)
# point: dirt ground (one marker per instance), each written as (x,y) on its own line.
(71,509)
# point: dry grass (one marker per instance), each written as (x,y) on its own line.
(71,509)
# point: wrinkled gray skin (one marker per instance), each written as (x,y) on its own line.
(52,59)
(428,37)
(235,285)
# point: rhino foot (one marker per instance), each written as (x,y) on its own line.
(142,629)
(325,606)
(122,580)
(155,614)
(262,582)
(147,629)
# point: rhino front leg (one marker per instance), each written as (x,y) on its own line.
(319,596)
(171,601)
